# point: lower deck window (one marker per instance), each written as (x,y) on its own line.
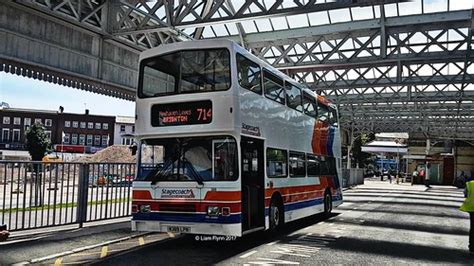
(277,163)
(297,164)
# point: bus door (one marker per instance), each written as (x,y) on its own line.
(253,191)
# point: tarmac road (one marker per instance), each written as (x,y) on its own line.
(379,223)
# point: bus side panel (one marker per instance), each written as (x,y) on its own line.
(300,201)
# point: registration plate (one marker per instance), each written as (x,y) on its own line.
(179,229)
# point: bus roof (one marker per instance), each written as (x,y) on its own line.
(231,45)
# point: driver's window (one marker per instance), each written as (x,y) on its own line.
(151,154)
(151,157)
(223,154)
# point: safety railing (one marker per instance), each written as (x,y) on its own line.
(39,194)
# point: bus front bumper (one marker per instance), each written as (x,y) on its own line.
(187,228)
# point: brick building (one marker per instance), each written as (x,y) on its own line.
(79,129)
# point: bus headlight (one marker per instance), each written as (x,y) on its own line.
(144,208)
(213,211)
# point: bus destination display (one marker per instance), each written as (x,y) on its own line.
(176,114)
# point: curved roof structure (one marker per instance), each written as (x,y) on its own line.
(391,66)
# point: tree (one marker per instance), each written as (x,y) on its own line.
(360,157)
(37,142)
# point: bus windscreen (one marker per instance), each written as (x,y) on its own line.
(188,159)
(187,71)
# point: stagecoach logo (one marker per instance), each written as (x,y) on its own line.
(177,193)
(250,130)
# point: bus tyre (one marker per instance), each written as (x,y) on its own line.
(276,215)
(327,203)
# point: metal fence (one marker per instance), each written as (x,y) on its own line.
(38,194)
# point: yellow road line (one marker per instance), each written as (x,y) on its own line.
(105,250)
(58,262)
(141,241)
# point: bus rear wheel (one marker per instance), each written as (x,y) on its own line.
(276,215)
(327,203)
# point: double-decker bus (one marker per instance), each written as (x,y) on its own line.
(229,145)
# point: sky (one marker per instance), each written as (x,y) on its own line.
(23,92)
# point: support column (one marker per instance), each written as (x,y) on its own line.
(427,163)
(351,143)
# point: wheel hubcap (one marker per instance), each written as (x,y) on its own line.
(276,215)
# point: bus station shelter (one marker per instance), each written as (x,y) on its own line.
(384,148)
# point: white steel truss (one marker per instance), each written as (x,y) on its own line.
(390,65)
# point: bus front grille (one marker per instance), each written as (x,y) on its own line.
(178,207)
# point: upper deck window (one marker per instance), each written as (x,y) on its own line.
(293,97)
(323,112)
(309,104)
(333,117)
(185,72)
(249,74)
(273,86)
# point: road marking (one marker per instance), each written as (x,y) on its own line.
(141,241)
(104,251)
(58,262)
(295,233)
(272,243)
(268,261)
(76,250)
(248,254)
(290,253)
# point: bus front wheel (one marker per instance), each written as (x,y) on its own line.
(327,203)
(276,214)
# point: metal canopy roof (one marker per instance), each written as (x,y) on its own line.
(396,67)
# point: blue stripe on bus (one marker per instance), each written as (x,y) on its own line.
(304,204)
(187,217)
(330,141)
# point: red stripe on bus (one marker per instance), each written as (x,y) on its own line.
(223,195)
(301,193)
(324,138)
(316,138)
(141,194)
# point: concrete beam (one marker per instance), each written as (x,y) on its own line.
(38,46)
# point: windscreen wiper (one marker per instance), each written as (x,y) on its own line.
(159,172)
(197,177)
